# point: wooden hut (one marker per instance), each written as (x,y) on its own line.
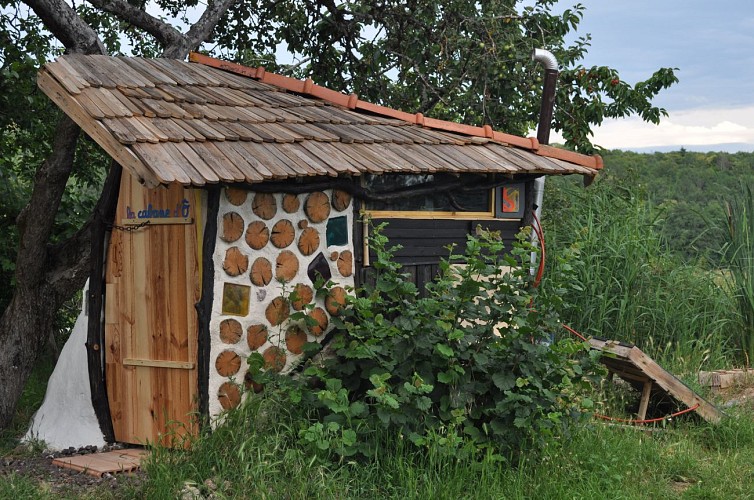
(239,186)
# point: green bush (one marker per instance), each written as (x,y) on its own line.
(468,367)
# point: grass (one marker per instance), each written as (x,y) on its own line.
(256,454)
(31,399)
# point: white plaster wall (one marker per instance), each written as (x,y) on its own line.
(260,297)
(66,417)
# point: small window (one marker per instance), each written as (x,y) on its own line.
(474,203)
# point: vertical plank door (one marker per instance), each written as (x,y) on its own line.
(152,283)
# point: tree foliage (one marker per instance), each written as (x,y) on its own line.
(689,189)
(450,59)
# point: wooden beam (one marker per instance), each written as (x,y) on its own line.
(103,217)
(612,347)
(157,221)
(644,402)
(95,129)
(159,363)
(204,306)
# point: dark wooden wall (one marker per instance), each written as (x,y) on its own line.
(424,243)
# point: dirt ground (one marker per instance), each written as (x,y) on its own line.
(64,482)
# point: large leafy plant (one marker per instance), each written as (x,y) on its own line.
(472,362)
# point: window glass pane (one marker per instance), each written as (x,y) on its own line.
(477,201)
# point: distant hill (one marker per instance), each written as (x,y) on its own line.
(732,147)
(690,188)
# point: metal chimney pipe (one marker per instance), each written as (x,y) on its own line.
(550,63)
(546,59)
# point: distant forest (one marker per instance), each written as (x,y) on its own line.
(690,191)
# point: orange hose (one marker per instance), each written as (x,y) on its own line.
(541,236)
(574,332)
(647,421)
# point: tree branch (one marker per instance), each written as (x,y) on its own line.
(67,26)
(37,218)
(68,263)
(165,34)
(200,31)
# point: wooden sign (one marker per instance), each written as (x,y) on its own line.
(509,201)
(179,214)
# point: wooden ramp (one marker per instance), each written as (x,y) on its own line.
(99,464)
(632,365)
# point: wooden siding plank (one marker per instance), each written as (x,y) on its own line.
(178,163)
(173,131)
(66,78)
(318,133)
(329,154)
(359,157)
(194,135)
(313,161)
(202,128)
(145,132)
(79,63)
(280,133)
(265,156)
(243,132)
(295,165)
(78,79)
(161,162)
(158,363)
(221,128)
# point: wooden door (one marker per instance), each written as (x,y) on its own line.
(152,283)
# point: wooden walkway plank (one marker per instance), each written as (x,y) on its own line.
(99,464)
(625,360)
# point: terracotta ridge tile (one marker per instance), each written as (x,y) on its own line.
(570,156)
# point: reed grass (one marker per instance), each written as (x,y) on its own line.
(739,256)
(628,284)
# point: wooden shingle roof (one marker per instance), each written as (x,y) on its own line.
(172,121)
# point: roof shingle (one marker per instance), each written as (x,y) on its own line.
(172,121)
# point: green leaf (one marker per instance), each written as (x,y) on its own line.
(358,409)
(446,377)
(445,350)
(349,437)
(456,334)
(503,381)
(423,403)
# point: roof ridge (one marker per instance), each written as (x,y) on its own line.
(352,101)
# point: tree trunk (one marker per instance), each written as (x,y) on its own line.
(41,284)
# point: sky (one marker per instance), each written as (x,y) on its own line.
(711,42)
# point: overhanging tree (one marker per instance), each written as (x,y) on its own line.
(448,59)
